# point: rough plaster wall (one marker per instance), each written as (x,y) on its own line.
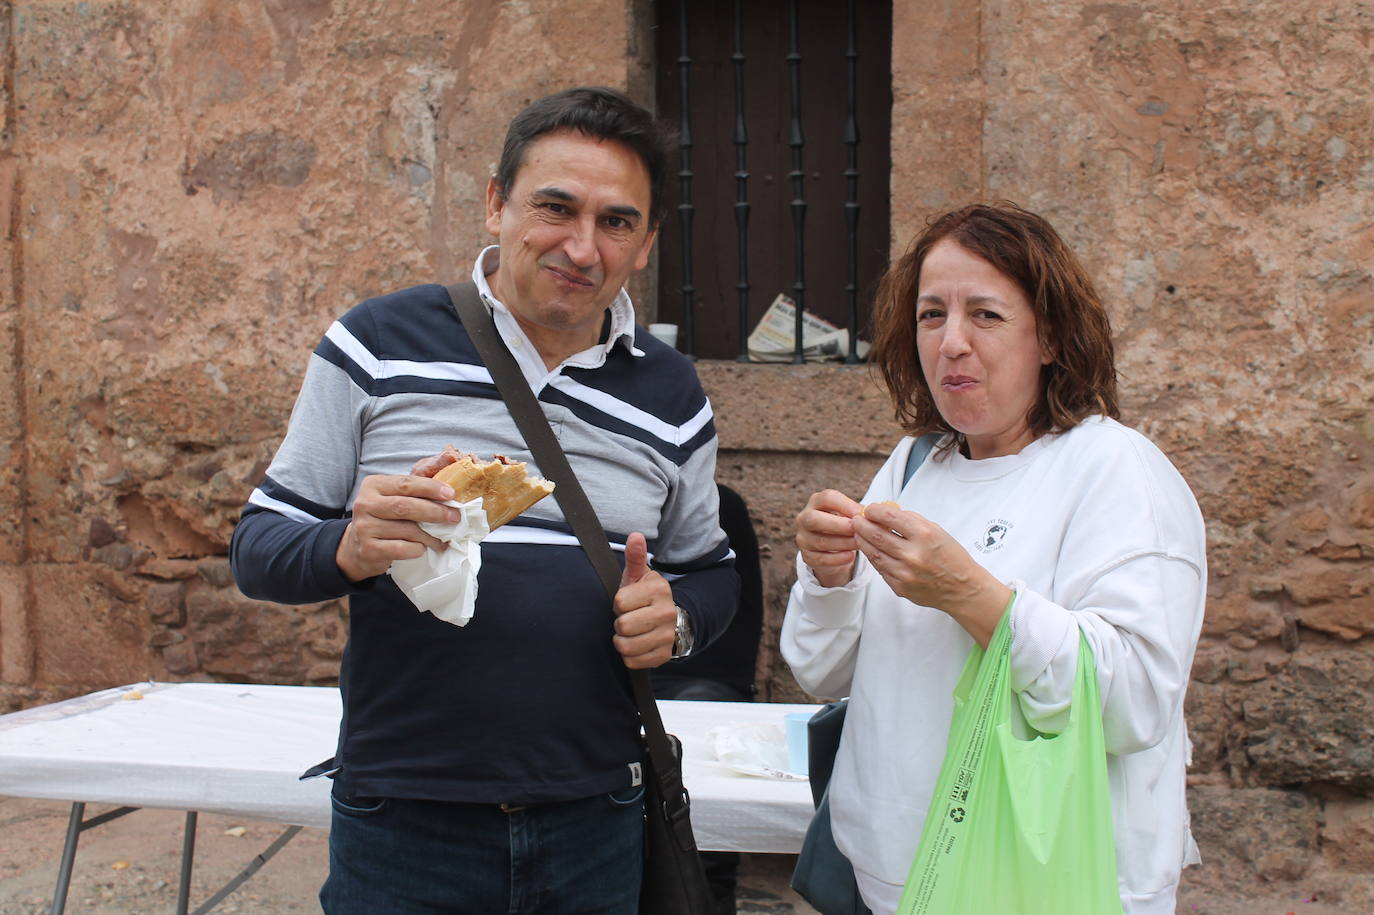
(190,191)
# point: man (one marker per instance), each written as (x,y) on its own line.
(496,767)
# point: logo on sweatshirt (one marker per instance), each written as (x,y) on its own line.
(993,535)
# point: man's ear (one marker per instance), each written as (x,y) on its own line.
(642,260)
(496,205)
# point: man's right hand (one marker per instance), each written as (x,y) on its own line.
(386,523)
(825,537)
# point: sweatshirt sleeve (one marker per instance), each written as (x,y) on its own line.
(691,550)
(820,632)
(1139,608)
(284,546)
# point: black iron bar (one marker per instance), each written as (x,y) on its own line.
(741,187)
(797,176)
(851,206)
(685,209)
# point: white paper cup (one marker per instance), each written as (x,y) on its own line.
(665,332)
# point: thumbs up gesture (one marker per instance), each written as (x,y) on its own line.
(644,608)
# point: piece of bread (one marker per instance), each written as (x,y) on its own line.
(505,488)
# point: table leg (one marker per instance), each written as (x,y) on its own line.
(249,871)
(188,854)
(64,871)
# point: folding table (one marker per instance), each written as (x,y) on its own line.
(239,749)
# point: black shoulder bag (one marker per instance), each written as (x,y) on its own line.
(674,882)
(823,875)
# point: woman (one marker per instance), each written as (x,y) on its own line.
(1036,503)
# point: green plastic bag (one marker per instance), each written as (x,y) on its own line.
(1017,827)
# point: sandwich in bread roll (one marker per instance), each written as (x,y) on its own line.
(505,488)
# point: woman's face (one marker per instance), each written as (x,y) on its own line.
(975,335)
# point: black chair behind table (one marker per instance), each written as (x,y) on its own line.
(724,670)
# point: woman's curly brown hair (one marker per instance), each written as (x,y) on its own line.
(1072,325)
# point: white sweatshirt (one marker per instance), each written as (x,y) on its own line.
(1097,532)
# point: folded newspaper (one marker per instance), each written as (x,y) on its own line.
(773,338)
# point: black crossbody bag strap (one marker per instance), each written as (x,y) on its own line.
(577,509)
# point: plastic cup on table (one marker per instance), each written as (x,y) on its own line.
(795,726)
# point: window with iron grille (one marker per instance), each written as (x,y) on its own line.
(784,112)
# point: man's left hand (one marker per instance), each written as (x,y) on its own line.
(646,616)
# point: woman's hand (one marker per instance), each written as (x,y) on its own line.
(825,537)
(921,562)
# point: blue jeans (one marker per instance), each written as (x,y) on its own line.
(409,856)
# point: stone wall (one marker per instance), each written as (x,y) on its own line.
(190,191)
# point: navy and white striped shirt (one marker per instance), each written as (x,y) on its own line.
(530,701)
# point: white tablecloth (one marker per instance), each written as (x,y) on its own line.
(239,749)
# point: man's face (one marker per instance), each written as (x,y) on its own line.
(572,227)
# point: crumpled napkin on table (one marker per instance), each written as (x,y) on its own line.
(445,583)
(752,748)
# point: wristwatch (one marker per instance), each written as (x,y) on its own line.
(682,635)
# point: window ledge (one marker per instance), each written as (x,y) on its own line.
(827,408)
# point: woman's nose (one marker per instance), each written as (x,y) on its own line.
(954,342)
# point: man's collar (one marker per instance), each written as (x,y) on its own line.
(621,309)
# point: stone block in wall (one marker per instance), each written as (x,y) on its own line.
(1212,724)
(216,572)
(92,60)
(1347,619)
(1241,614)
(180,659)
(237,638)
(12,495)
(1312,583)
(1309,722)
(54,490)
(90,628)
(1252,834)
(1361,511)
(16,627)
(1348,834)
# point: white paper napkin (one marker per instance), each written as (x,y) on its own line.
(445,583)
(752,748)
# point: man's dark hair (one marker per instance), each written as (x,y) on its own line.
(599,113)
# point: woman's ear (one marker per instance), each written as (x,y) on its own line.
(1048,351)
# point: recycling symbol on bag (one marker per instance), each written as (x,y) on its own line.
(957,814)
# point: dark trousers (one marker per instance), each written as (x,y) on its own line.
(396,855)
